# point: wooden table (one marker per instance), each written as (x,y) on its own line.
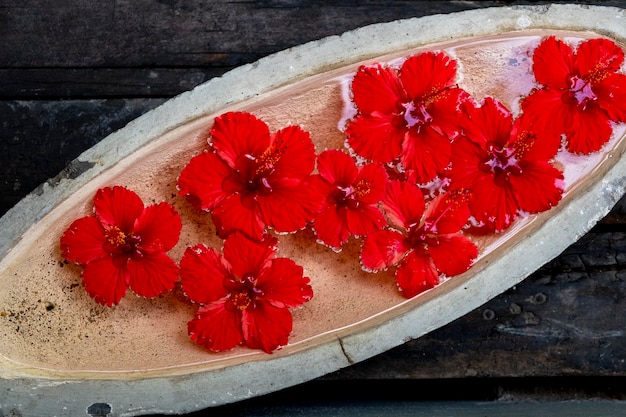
(72,72)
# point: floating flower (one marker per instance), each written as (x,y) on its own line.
(429,243)
(124,245)
(245,294)
(410,113)
(251,179)
(582,92)
(505,165)
(351,198)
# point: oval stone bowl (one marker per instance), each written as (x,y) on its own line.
(63,354)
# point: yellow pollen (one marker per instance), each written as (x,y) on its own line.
(363,187)
(116,237)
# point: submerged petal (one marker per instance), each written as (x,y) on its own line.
(83,241)
(202,272)
(215,327)
(105,282)
(266,327)
(117,206)
(158,227)
(237,133)
(152,274)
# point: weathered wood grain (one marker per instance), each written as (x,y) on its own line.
(72,72)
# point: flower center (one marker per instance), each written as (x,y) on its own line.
(348,196)
(501,162)
(119,243)
(579,92)
(416,114)
(243,292)
(420,238)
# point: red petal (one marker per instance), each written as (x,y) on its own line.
(336,167)
(241,213)
(491,122)
(283,285)
(266,327)
(290,205)
(377,89)
(553,63)
(331,226)
(426,153)
(82,241)
(596,57)
(202,272)
(445,110)
(454,254)
(203,178)
(416,275)
(465,160)
(492,204)
(104,282)
(383,249)
(159,228)
(117,206)
(215,327)
(246,256)
(365,220)
(427,73)
(539,187)
(375,137)
(238,134)
(152,275)
(295,153)
(448,212)
(403,203)
(548,112)
(371,183)
(611,94)
(589,131)
(533,142)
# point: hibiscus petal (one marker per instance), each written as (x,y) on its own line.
(215,327)
(383,249)
(202,272)
(283,285)
(491,122)
(238,212)
(589,131)
(370,183)
(236,133)
(426,153)
(448,212)
(493,204)
(539,187)
(533,142)
(416,275)
(466,157)
(596,57)
(331,226)
(547,111)
(454,254)
(336,167)
(364,220)
(82,241)
(290,205)
(375,137)
(294,153)
(117,206)
(105,282)
(152,275)
(553,63)
(611,92)
(266,327)
(202,180)
(427,73)
(158,227)
(377,89)
(246,256)
(403,203)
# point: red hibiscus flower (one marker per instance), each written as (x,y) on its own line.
(352,194)
(582,91)
(430,242)
(123,246)
(251,179)
(408,113)
(245,294)
(505,165)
